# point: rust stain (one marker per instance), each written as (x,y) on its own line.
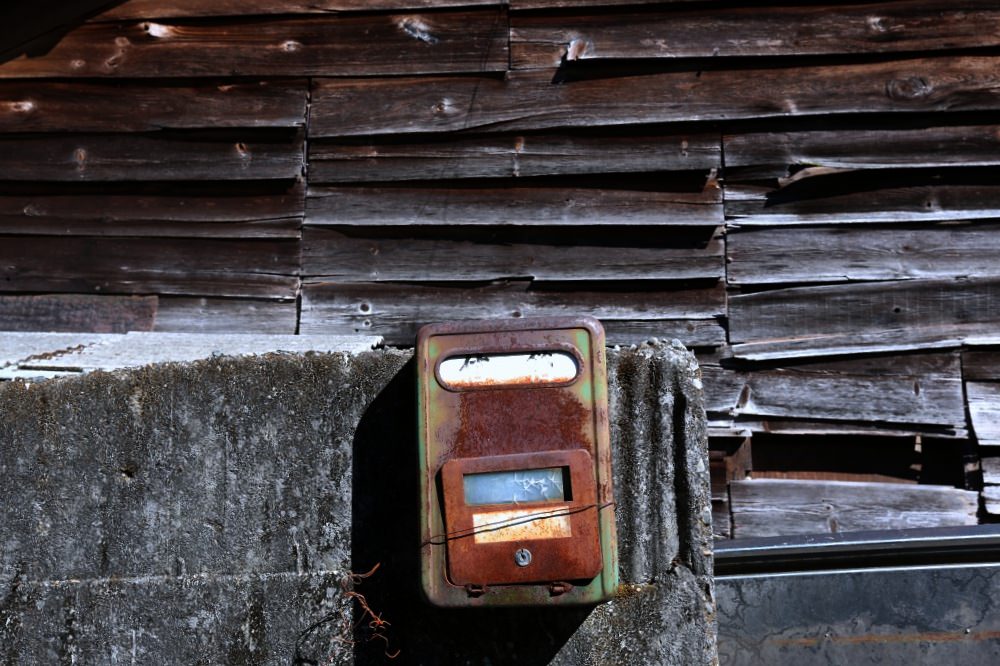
(503,421)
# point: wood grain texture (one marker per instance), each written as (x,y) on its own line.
(77,312)
(539,41)
(801,428)
(219,214)
(771,507)
(991,470)
(145,9)
(225,315)
(882,201)
(546,206)
(443,257)
(531,100)
(773,153)
(862,318)
(511,157)
(262,268)
(518,5)
(85,106)
(396,311)
(143,157)
(984,410)
(917,389)
(844,254)
(473,40)
(981,365)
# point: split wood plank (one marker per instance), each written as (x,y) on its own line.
(915,26)
(799,255)
(991,499)
(828,476)
(806,427)
(396,311)
(226,315)
(147,9)
(863,318)
(86,106)
(518,5)
(984,410)
(343,258)
(210,267)
(236,214)
(867,197)
(917,389)
(77,312)
(773,507)
(981,366)
(472,40)
(511,157)
(532,100)
(545,206)
(144,157)
(991,470)
(772,153)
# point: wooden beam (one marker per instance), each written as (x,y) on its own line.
(149,9)
(444,257)
(182,214)
(772,154)
(914,26)
(226,315)
(85,106)
(981,366)
(77,312)
(863,318)
(261,268)
(917,389)
(826,428)
(533,100)
(845,254)
(881,200)
(518,5)
(545,206)
(396,311)
(772,507)
(512,157)
(472,40)
(134,157)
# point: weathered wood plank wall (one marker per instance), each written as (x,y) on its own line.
(807,195)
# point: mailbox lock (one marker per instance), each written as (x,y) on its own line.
(522,557)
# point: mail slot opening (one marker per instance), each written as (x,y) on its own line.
(523,486)
(508,369)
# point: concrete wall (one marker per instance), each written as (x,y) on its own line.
(204,513)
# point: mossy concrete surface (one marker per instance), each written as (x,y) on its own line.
(204,513)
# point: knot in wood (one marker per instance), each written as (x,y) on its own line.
(911,88)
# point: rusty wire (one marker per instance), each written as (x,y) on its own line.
(442,539)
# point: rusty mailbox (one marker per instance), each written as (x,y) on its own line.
(515,478)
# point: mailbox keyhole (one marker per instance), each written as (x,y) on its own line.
(522,557)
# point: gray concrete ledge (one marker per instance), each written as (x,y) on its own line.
(203,513)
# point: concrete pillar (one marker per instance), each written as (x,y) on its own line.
(211,512)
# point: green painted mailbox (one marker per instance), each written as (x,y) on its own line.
(515,463)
